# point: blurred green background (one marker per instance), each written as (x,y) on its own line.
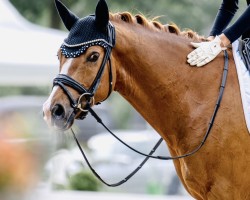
(195,14)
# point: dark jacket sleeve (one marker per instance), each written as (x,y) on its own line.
(240,27)
(224,16)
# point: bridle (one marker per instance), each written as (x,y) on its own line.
(63,80)
(88,94)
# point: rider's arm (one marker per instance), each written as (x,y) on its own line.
(224,16)
(239,27)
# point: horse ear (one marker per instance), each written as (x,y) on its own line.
(66,15)
(102,15)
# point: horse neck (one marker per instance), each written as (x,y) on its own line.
(150,69)
(152,74)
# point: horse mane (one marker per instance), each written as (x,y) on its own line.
(155,25)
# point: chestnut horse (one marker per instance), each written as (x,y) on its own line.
(150,71)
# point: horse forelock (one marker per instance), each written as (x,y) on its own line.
(155,25)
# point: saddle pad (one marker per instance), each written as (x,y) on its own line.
(244,81)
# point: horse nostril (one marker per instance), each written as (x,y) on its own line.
(58,112)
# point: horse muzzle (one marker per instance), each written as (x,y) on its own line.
(58,117)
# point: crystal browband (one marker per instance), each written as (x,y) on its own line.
(73,51)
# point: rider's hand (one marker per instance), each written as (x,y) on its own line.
(205,52)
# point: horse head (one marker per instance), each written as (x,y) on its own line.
(85,76)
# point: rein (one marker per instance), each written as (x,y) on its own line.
(150,155)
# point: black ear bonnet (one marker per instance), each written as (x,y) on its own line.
(87,31)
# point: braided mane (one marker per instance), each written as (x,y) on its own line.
(155,25)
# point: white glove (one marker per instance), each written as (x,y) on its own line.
(205,52)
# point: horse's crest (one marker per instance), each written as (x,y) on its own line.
(85,32)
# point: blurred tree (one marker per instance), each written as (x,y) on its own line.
(41,11)
(195,14)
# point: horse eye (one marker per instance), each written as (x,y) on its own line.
(93,57)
